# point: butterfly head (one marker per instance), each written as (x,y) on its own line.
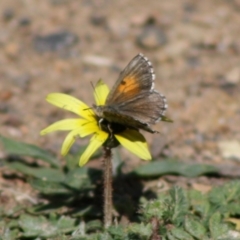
(98,110)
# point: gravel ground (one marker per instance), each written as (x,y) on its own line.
(64,46)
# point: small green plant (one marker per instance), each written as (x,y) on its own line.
(194,215)
(68,202)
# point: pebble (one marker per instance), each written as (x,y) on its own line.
(201,187)
(98,20)
(12,50)
(55,41)
(189,7)
(138,20)
(12,121)
(8,14)
(22,81)
(14,132)
(193,61)
(97,60)
(6,95)
(233,76)
(151,36)
(4,108)
(118,30)
(233,234)
(25,21)
(176,49)
(230,149)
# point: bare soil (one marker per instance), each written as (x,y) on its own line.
(64,46)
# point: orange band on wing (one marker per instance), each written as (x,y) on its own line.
(129,84)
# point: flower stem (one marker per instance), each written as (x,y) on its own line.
(107,187)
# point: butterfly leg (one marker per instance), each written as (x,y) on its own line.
(100,123)
(110,131)
(104,126)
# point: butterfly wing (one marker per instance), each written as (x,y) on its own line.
(133,101)
(137,77)
(142,111)
(148,107)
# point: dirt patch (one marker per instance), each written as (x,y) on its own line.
(63,46)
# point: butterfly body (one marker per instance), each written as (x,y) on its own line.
(133,102)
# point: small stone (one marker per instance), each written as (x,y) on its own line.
(139,20)
(230,149)
(8,14)
(98,19)
(193,61)
(4,108)
(201,187)
(176,49)
(233,234)
(12,50)
(152,36)
(22,81)
(233,76)
(118,30)
(61,66)
(25,21)
(189,7)
(97,60)
(57,2)
(55,41)
(6,95)
(13,121)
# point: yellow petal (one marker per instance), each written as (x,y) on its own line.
(89,128)
(101,92)
(135,143)
(96,141)
(69,141)
(64,125)
(71,104)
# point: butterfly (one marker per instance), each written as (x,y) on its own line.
(133,102)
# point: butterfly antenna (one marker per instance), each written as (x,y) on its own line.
(87,108)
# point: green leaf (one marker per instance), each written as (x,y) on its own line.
(7,233)
(49,188)
(10,211)
(72,159)
(199,203)
(82,178)
(225,194)
(140,231)
(42,227)
(216,226)
(179,204)
(158,168)
(24,149)
(47,174)
(195,228)
(233,208)
(117,232)
(171,237)
(94,225)
(160,208)
(101,236)
(181,234)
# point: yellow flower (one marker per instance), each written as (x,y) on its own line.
(89,124)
